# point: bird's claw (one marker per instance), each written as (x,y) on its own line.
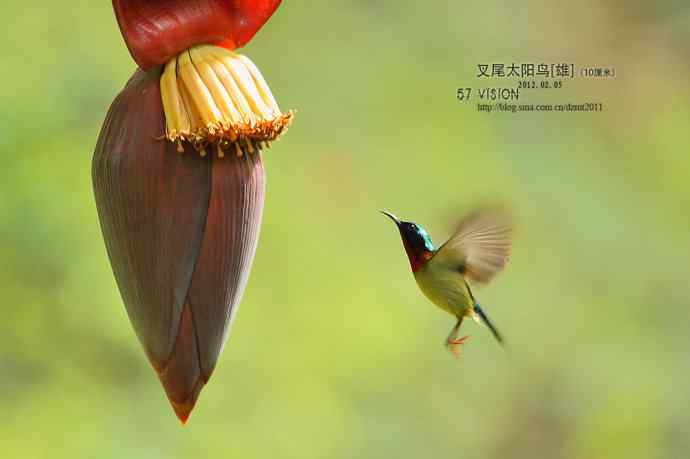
(454,345)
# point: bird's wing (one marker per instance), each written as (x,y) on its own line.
(481,245)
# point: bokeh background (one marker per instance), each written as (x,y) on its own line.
(335,352)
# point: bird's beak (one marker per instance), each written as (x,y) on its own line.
(391,216)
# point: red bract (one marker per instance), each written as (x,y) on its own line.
(157,30)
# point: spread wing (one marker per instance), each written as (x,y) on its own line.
(481,246)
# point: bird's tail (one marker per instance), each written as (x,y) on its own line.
(485,319)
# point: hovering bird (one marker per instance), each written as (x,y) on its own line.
(478,250)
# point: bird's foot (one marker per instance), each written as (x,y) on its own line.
(454,345)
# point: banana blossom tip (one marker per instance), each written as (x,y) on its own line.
(181,229)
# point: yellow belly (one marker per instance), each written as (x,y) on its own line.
(446,289)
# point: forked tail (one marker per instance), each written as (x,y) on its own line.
(488,323)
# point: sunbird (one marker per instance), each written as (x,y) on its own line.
(479,249)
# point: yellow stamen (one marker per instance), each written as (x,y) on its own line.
(200,95)
(220,95)
(177,121)
(261,84)
(212,96)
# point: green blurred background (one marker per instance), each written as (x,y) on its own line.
(335,352)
